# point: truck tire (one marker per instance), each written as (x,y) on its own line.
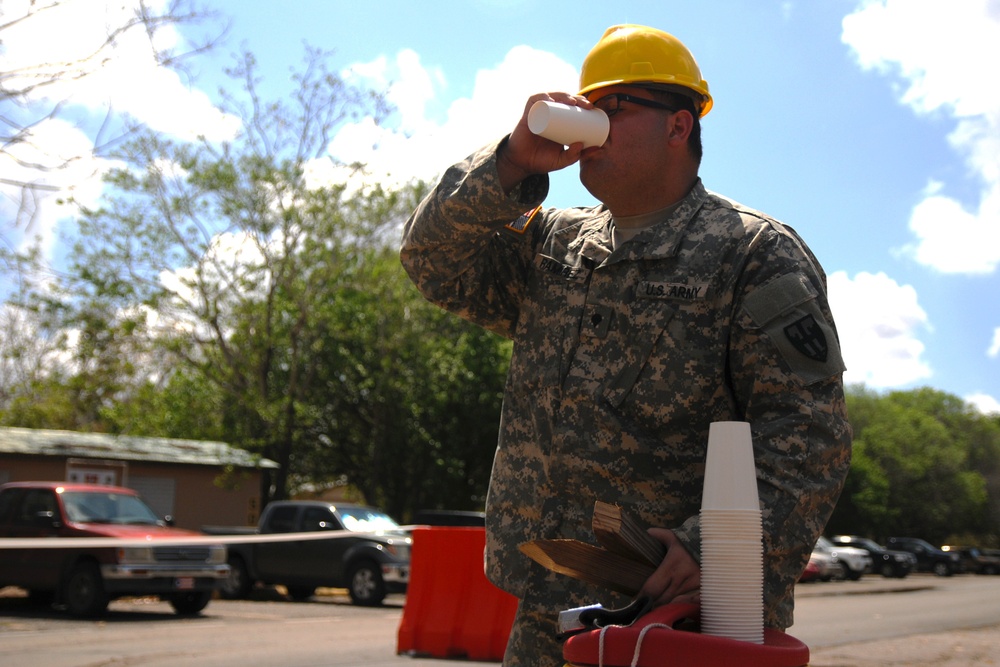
(189,604)
(238,584)
(942,569)
(365,584)
(300,593)
(83,591)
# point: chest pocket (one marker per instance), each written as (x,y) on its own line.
(548,325)
(615,345)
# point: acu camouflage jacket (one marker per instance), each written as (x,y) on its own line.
(622,360)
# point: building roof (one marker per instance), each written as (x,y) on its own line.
(41,442)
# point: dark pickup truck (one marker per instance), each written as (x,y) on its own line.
(348,546)
(85,575)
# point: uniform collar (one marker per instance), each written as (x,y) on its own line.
(656,242)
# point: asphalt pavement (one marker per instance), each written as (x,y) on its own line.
(953,648)
(956,648)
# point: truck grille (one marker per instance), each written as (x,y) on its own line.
(181,554)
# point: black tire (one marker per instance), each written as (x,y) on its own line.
(238,584)
(83,591)
(888,571)
(942,569)
(853,575)
(300,593)
(189,604)
(365,584)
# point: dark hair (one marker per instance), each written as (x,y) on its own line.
(682,101)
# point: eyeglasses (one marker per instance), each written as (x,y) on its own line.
(611,104)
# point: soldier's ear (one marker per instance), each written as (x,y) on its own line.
(680,125)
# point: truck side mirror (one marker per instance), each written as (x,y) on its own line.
(47,519)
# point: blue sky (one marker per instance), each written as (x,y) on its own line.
(872,128)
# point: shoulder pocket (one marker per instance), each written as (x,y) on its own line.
(787,312)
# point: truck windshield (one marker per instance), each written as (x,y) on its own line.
(101,507)
(367,521)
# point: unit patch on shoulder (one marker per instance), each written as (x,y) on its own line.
(807,337)
(520,225)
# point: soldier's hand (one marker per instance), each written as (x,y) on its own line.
(525,153)
(678,578)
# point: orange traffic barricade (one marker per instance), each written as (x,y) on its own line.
(452,610)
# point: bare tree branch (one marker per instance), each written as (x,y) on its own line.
(26,89)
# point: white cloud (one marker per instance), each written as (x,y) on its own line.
(125,78)
(984,403)
(419,148)
(939,58)
(57,43)
(994,350)
(65,164)
(878,321)
(952,239)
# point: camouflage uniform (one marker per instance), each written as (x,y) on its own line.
(623,358)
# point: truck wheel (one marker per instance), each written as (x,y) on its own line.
(238,584)
(854,575)
(83,592)
(942,569)
(300,593)
(189,604)
(365,584)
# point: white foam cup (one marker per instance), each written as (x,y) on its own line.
(730,472)
(568,124)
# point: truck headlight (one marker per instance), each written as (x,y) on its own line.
(400,551)
(216,554)
(135,555)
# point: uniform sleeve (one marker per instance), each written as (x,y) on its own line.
(786,372)
(462,247)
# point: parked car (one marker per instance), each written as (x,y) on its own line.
(810,573)
(888,563)
(826,567)
(929,558)
(363,550)
(152,560)
(974,560)
(856,561)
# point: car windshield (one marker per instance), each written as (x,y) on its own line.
(367,521)
(107,507)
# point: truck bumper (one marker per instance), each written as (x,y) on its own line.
(139,579)
(396,577)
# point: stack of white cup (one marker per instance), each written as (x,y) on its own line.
(732,567)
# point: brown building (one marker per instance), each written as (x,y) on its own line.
(197,483)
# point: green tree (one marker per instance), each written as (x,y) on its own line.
(228,296)
(924,464)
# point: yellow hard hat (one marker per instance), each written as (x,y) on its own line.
(639,54)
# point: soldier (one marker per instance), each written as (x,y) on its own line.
(636,323)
